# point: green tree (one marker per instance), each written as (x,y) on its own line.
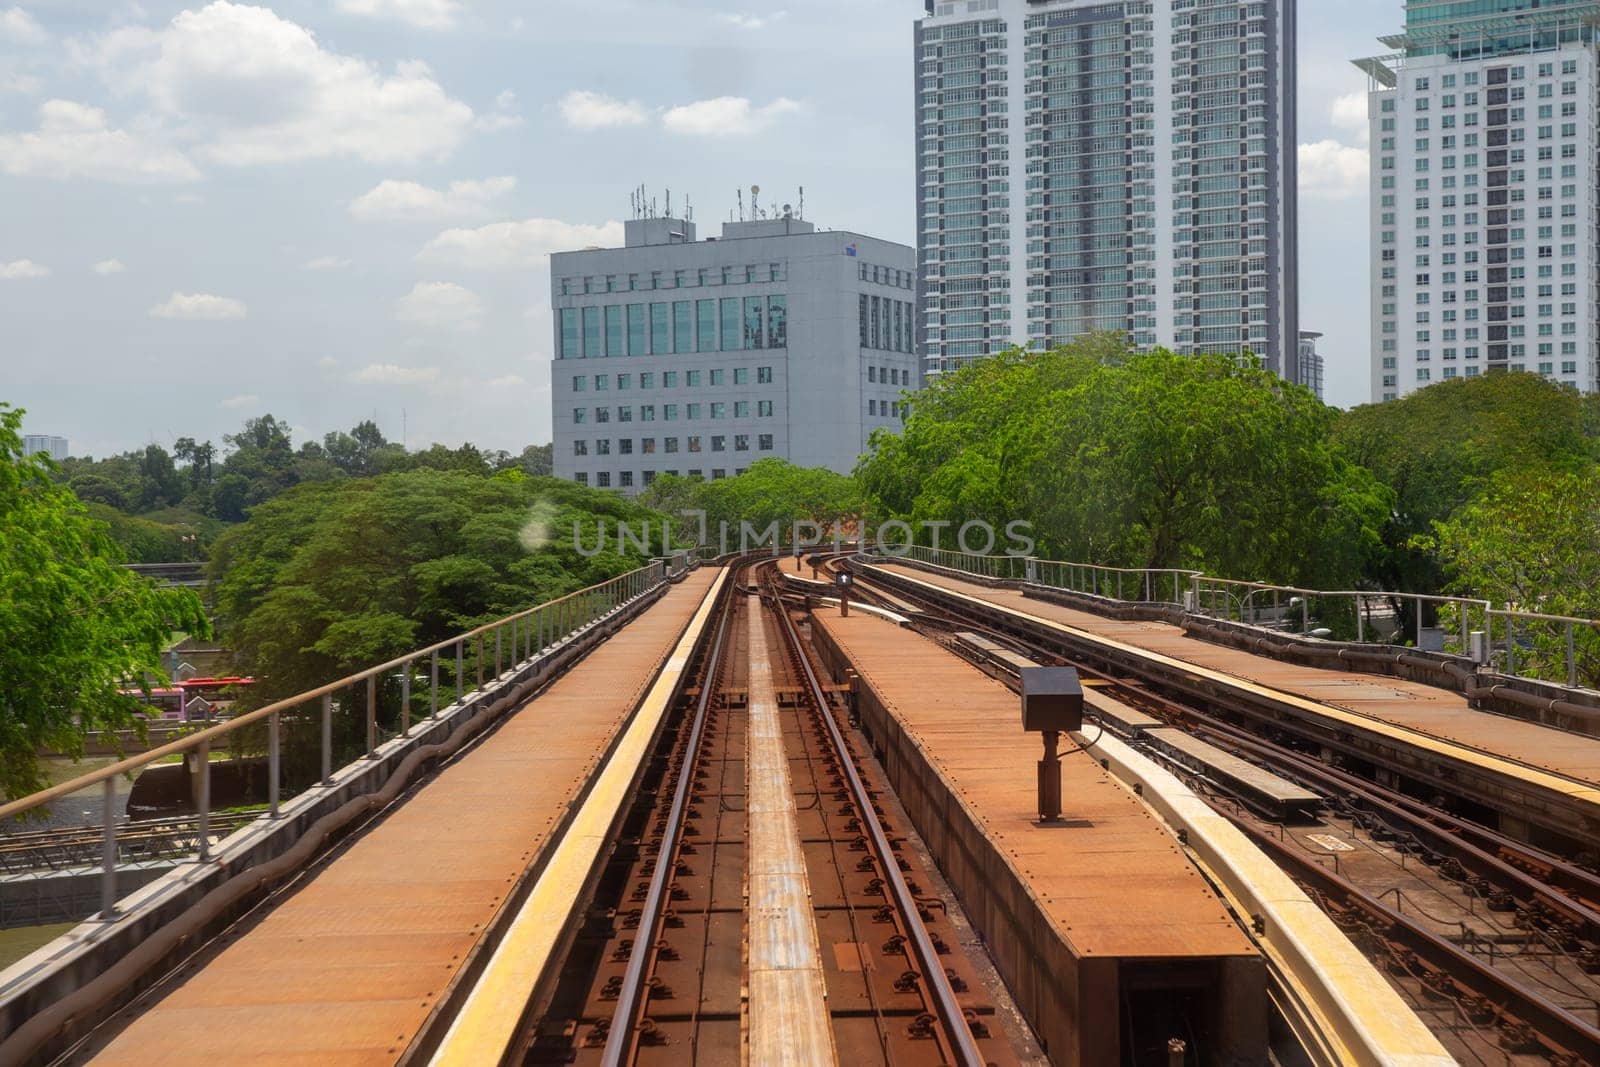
(75,626)
(1149,460)
(1532,541)
(772,491)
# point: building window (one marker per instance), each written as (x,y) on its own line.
(706,325)
(649,477)
(741,376)
(627,479)
(580,448)
(647,446)
(578,382)
(719,443)
(694,412)
(625,446)
(670,444)
(777,322)
(741,442)
(694,444)
(741,409)
(614,340)
(730,324)
(647,413)
(764,442)
(660,329)
(866,336)
(579,415)
(581,477)
(763,375)
(872,373)
(603,479)
(718,409)
(637,331)
(602,414)
(591,333)
(683,326)
(601,382)
(717,375)
(764,408)
(753,336)
(569,333)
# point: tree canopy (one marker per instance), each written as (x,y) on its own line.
(331,577)
(770,491)
(76,627)
(1153,459)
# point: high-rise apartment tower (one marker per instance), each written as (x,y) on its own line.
(1089,165)
(1484,255)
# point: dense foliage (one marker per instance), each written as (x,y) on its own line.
(169,506)
(771,492)
(1155,460)
(75,626)
(331,577)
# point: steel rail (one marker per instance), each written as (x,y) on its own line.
(954,1020)
(621,1036)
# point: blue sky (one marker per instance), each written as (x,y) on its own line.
(340,210)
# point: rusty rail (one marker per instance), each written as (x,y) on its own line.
(962,1043)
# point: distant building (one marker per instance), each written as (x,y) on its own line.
(55,447)
(1484,135)
(698,358)
(1310,362)
(1124,166)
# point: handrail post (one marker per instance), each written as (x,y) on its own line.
(433,685)
(1511,643)
(498,631)
(273,766)
(204,755)
(1572,660)
(1466,640)
(108,852)
(405,700)
(1361,621)
(327,738)
(372,716)
(480,663)
(1419,623)
(461,671)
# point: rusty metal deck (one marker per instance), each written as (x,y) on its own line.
(1424,708)
(347,968)
(1082,869)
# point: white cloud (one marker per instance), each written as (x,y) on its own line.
(108,266)
(743,21)
(726,116)
(443,304)
(327,363)
(409,201)
(391,374)
(14,81)
(243,400)
(506,381)
(502,245)
(255,88)
(73,141)
(1349,112)
(326,263)
(1333,171)
(22,268)
(504,116)
(586,110)
(19,26)
(427,14)
(198,306)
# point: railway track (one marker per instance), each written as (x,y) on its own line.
(1494,941)
(670,964)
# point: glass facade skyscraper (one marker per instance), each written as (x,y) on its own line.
(1102,165)
(1484,134)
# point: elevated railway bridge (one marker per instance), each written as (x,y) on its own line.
(707,812)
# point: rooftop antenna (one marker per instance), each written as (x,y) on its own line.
(802,203)
(755,191)
(740,194)
(669,203)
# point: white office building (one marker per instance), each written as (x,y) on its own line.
(56,448)
(1089,165)
(698,358)
(1484,194)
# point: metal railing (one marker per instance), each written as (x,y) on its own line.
(1557,648)
(495,647)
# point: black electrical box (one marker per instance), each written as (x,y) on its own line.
(1052,699)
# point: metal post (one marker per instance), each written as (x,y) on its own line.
(273,765)
(372,716)
(204,755)
(498,632)
(327,738)
(433,685)
(480,663)
(460,672)
(1466,637)
(1419,623)
(1572,661)
(1305,614)
(1361,622)
(1119,585)
(108,852)
(405,700)
(1147,595)
(1511,644)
